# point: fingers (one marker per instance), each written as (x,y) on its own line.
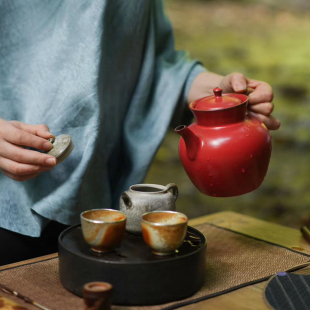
(262,93)
(257,91)
(21,137)
(260,97)
(265,108)
(249,90)
(260,104)
(234,82)
(21,155)
(41,130)
(238,82)
(271,122)
(17,162)
(19,171)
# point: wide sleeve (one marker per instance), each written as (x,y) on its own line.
(165,77)
(167,54)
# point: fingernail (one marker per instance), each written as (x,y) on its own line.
(240,87)
(51,161)
(50,135)
(47,145)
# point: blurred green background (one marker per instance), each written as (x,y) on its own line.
(266,40)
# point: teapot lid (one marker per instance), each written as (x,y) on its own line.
(218,101)
(62,147)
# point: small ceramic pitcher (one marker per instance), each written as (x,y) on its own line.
(142,198)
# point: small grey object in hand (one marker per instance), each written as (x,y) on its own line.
(62,147)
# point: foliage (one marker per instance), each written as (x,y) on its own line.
(265,41)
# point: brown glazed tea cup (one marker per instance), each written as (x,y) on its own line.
(103,229)
(164,231)
(97,295)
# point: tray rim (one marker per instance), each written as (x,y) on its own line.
(164,258)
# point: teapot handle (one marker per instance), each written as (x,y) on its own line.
(126,200)
(174,188)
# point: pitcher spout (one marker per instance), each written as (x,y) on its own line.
(192,141)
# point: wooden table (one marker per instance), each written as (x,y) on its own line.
(249,297)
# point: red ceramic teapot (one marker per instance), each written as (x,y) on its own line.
(226,152)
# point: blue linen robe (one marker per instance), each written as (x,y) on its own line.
(104,72)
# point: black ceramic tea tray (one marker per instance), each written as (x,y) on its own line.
(138,276)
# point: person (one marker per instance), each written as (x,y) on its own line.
(106,73)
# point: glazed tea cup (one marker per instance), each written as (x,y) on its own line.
(164,231)
(103,229)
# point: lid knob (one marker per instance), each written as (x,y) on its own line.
(217,92)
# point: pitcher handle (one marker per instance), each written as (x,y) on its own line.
(174,188)
(126,200)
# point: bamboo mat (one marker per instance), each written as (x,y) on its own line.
(233,260)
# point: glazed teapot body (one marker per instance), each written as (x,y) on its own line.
(226,152)
(142,198)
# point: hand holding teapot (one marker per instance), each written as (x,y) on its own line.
(260,93)
(226,152)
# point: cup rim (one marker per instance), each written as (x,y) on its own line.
(100,221)
(163,224)
(161,188)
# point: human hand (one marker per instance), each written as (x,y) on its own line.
(260,93)
(18,163)
(260,97)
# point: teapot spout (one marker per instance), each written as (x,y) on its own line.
(192,141)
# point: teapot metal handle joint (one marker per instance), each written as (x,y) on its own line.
(174,188)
